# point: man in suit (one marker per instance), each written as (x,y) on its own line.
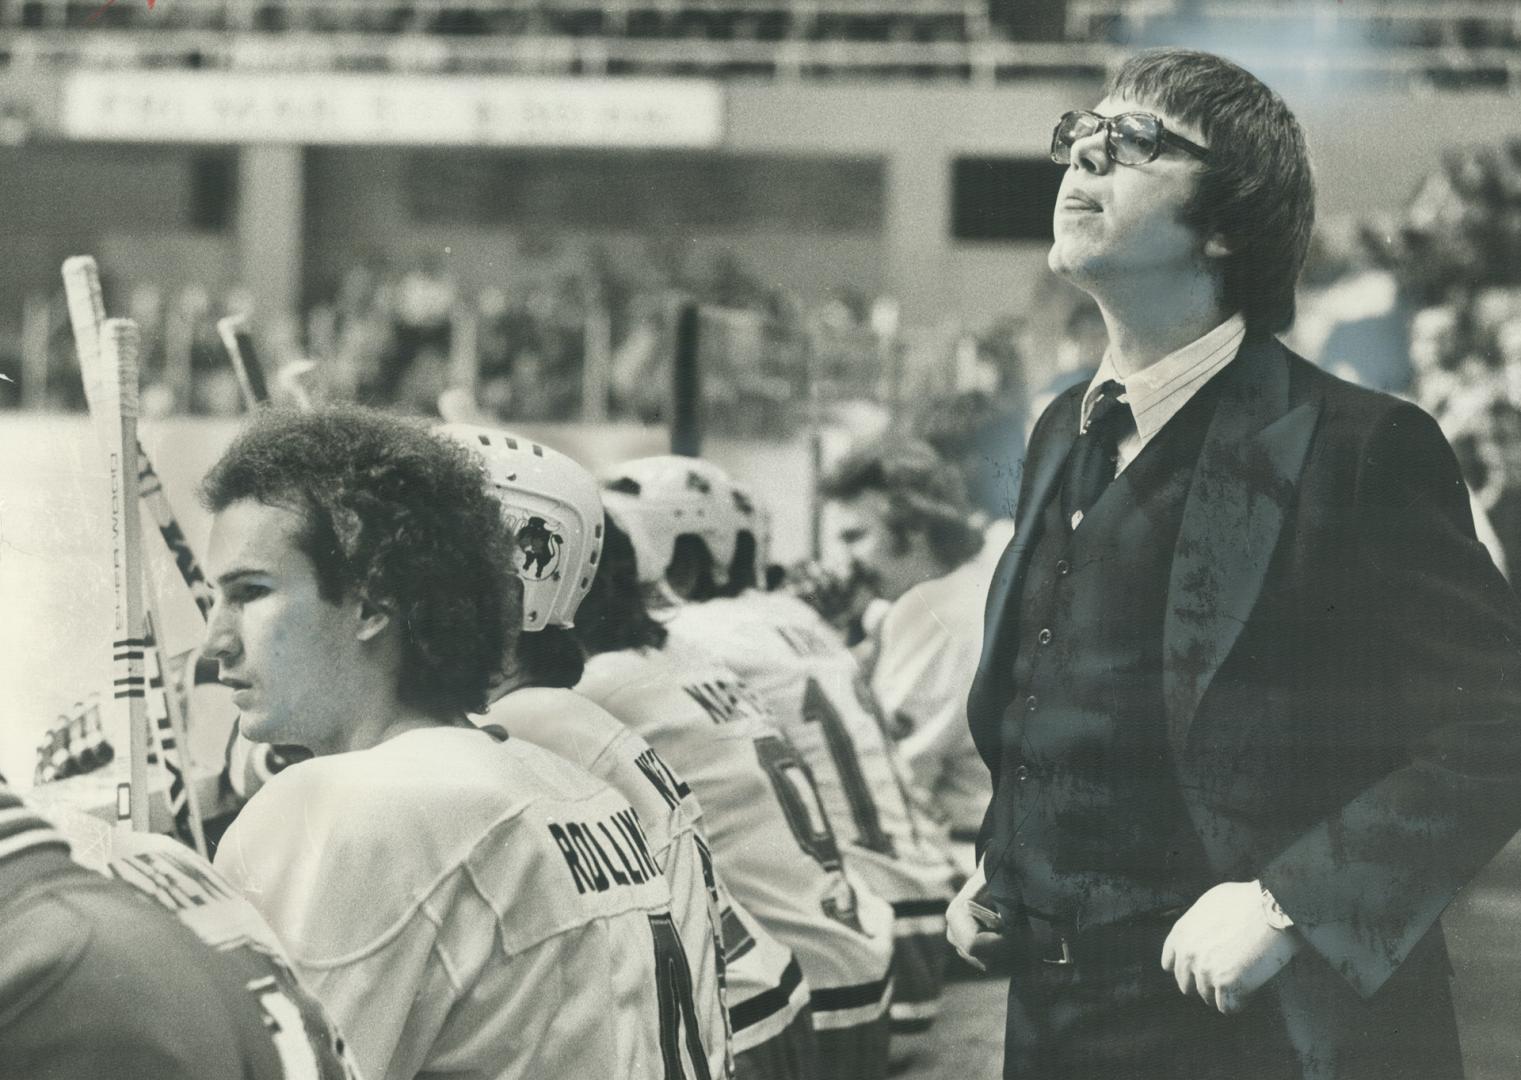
(1249,686)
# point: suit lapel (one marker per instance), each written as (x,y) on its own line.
(1242,489)
(1011,567)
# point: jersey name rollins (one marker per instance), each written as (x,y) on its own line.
(586,847)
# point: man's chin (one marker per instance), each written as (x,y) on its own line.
(257,726)
(1057,261)
(1065,263)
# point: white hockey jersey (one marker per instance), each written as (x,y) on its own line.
(308,1042)
(814,689)
(583,732)
(770,833)
(924,657)
(470,907)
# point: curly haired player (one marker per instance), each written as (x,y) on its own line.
(445,891)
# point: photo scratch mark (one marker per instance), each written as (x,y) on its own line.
(5,541)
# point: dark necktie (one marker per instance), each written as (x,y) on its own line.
(1091,464)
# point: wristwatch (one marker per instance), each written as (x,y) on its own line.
(1275,916)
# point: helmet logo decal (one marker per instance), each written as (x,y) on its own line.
(698,484)
(541,548)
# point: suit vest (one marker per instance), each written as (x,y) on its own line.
(1090,827)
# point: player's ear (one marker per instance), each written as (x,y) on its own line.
(1217,246)
(906,539)
(371,617)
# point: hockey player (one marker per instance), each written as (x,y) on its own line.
(903,518)
(449,894)
(98,980)
(551,505)
(771,837)
(700,535)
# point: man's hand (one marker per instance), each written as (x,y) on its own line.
(839,596)
(1223,948)
(969,935)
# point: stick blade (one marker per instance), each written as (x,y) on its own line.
(457,405)
(238,341)
(87,310)
(294,379)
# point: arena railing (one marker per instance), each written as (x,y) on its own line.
(1451,21)
(980,62)
(414,15)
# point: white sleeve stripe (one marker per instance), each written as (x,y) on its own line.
(767,1027)
(916,1010)
(923,925)
(32,838)
(850,1010)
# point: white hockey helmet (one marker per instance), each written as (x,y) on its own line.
(553,507)
(754,518)
(658,499)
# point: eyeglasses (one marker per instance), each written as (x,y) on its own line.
(1132,138)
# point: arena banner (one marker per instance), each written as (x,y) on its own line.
(231,107)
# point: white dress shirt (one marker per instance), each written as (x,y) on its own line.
(1158,391)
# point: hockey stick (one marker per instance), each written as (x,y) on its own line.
(686,384)
(117,395)
(233,330)
(81,278)
(178,741)
(87,311)
(457,405)
(291,378)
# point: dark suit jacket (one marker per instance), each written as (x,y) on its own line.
(1343,690)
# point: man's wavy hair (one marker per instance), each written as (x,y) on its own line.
(400,516)
(924,494)
(1256,189)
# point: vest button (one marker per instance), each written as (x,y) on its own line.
(1044,637)
(1022,773)
(1030,703)
(1063,567)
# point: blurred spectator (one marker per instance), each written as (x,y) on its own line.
(424,300)
(981,439)
(1369,344)
(772,360)
(1435,352)
(1508,347)
(1430,306)
(1078,355)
